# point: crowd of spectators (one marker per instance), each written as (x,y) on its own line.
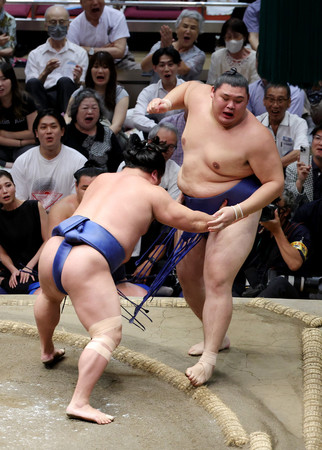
(73,110)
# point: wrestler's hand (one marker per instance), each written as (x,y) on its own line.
(159,105)
(222,219)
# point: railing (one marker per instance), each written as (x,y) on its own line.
(211,25)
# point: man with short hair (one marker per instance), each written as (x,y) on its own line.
(288,130)
(54,70)
(88,247)
(224,147)
(165,61)
(45,173)
(305,181)
(101,28)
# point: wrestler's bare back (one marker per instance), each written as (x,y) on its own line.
(220,156)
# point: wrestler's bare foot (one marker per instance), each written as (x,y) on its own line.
(197,349)
(202,371)
(50,359)
(88,413)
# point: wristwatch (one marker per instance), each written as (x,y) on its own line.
(91,51)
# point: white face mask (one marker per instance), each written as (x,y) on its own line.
(234,46)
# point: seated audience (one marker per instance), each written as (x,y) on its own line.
(251,19)
(256,97)
(234,37)
(102,28)
(88,135)
(17,114)
(314,95)
(281,247)
(289,131)
(188,26)
(101,76)
(305,181)
(23,229)
(166,62)
(310,214)
(45,172)
(8,39)
(54,70)
(179,122)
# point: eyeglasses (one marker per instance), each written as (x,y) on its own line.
(167,147)
(279,100)
(54,23)
(317,137)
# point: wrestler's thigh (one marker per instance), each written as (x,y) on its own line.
(87,278)
(227,250)
(191,266)
(45,269)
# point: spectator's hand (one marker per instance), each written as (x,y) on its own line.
(4,39)
(222,219)
(25,274)
(272,225)
(77,73)
(13,279)
(159,105)
(302,171)
(166,36)
(51,65)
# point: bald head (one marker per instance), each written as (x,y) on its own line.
(56,10)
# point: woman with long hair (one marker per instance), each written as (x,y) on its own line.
(23,229)
(17,113)
(101,76)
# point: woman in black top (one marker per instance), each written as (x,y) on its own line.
(23,230)
(86,134)
(17,114)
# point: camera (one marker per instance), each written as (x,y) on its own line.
(311,286)
(268,213)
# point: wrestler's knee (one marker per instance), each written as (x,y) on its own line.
(106,336)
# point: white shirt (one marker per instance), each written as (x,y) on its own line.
(69,56)
(141,120)
(46,180)
(111,27)
(291,133)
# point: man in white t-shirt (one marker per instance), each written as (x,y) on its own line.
(102,28)
(46,173)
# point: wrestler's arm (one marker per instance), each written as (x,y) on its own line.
(175,99)
(170,212)
(266,164)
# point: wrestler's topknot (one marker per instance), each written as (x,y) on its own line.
(145,155)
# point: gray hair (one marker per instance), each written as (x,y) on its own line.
(191,14)
(86,93)
(167,125)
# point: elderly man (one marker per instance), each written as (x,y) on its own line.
(288,130)
(102,28)
(55,69)
(45,173)
(224,146)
